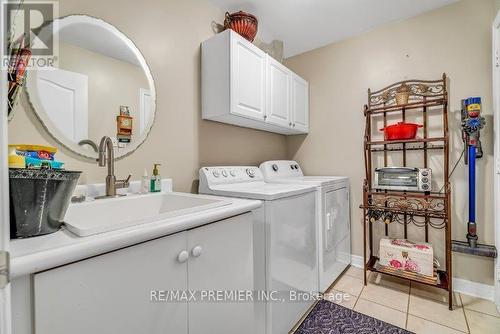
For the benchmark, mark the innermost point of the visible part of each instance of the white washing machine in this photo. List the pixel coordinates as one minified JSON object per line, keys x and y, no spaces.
{"x":284,"y":240}
{"x":332,"y":216}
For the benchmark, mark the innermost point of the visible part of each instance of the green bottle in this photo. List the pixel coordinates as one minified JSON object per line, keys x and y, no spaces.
{"x":155,"y":184}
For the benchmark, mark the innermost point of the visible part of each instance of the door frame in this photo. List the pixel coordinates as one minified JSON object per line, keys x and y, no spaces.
{"x":496,"y":118}
{"x":143,"y":92}
{"x":5,"y":309}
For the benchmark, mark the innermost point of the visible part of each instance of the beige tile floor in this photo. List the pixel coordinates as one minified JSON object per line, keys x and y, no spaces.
{"x":418,"y":308}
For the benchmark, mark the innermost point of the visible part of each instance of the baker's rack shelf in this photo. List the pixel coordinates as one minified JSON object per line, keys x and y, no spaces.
{"x":441,"y":282}
{"x":429,"y":210}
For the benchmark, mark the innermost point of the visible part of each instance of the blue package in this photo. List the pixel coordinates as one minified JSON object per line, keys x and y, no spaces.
{"x":41,"y":155}
{"x":34,"y":162}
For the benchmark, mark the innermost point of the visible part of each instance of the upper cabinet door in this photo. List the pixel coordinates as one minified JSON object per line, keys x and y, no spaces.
{"x":278,"y":93}
{"x":248,"y":79}
{"x":300,"y":104}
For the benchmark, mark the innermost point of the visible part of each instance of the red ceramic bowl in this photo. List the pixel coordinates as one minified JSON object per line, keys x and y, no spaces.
{"x":401,"y":131}
{"x":243,"y":23}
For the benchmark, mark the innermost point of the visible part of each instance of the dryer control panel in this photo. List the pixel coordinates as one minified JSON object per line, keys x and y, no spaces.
{"x":280,"y":168}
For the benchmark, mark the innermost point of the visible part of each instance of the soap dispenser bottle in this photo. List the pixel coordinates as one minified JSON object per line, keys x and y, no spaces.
{"x":155,"y":184}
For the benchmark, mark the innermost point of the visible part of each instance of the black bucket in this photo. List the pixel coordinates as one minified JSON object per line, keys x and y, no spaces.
{"x":39,"y":199}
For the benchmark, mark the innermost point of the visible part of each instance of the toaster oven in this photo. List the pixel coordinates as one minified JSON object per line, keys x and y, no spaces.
{"x":403,"y":179}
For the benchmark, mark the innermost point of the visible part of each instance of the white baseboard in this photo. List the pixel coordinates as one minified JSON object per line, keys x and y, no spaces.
{"x":466,"y":287}
{"x":357,"y":261}
{"x":475,"y":289}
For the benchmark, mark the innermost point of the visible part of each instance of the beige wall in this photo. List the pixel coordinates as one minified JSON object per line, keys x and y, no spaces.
{"x":455,"y":39}
{"x":169,"y":33}
{"x":111,"y":83}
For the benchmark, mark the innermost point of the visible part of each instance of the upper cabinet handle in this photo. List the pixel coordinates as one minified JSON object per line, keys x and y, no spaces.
{"x":196,"y":251}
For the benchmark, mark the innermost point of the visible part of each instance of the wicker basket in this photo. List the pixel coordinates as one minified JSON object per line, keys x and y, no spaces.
{"x":402,"y":94}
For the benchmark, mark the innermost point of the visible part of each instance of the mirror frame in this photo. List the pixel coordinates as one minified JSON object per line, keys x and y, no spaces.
{"x":52,"y":130}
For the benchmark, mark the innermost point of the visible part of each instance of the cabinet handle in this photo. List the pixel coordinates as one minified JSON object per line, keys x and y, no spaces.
{"x":196,"y":251}
{"x":183,"y":256}
{"x":293,"y":124}
{"x":290,"y":123}
{"x":265,"y":116}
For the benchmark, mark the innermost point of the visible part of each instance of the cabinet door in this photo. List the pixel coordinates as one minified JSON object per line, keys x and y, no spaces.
{"x":300,"y":104}
{"x":278,"y":93}
{"x":248,"y":79}
{"x":111,"y":293}
{"x":221,"y":259}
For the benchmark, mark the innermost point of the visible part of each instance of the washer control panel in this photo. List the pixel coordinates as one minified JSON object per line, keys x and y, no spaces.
{"x":280,"y":168}
{"x":230,"y":174}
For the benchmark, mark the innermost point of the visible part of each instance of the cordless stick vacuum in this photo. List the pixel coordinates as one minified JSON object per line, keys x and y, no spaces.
{"x":472,"y":123}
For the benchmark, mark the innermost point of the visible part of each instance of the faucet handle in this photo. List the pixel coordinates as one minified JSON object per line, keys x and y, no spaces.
{"x":123,"y":183}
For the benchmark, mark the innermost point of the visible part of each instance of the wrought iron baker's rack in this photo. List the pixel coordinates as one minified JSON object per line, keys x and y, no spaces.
{"x":424,"y":210}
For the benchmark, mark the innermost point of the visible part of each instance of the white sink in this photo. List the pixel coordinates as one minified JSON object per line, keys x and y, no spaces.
{"x":105,"y":215}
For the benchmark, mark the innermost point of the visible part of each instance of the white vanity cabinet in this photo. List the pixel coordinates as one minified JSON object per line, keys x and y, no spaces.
{"x":112,"y":293}
{"x":222,"y":260}
{"x":244,"y":86}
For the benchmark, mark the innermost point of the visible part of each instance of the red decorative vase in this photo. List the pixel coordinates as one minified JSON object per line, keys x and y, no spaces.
{"x":243,"y":23}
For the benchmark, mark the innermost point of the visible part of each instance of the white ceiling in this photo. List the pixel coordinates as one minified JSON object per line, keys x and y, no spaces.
{"x":304,"y":25}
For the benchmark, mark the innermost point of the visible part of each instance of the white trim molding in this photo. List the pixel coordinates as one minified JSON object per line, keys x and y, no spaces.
{"x":475,"y":289}
{"x":496,"y":110}
{"x":357,"y":261}
{"x":466,"y":287}
{"x":5,"y":308}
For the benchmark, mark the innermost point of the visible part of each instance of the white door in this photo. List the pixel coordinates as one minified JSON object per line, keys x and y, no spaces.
{"x":111,"y":293}
{"x":221,"y":259}
{"x":496,"y":106}
{"x":278,"y":93}
{"x":300,"y":104}
{"x":145,"y":110}
{"x":248,"y":79}
{"x":336,"y":252}
{"x":65,"y":97}
{"x":5,"y":319}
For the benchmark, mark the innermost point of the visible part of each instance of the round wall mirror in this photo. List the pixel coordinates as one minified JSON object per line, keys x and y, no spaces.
{"x":102,"y":87}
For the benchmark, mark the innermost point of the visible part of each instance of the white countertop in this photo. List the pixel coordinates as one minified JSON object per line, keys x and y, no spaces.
{"x":44,"y":252}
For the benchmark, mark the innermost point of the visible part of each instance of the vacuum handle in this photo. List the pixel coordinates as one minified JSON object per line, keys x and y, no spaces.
{"x":472,"y":183}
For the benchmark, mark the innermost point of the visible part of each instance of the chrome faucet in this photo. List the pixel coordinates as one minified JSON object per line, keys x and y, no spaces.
{"x":107,"y":157}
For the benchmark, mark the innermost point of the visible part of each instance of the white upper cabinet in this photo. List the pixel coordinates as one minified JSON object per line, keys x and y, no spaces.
{"x":248,"y":80}
{"x":242,"y":85}
{"x":278,"y":97}
{"x":300,"y":104}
